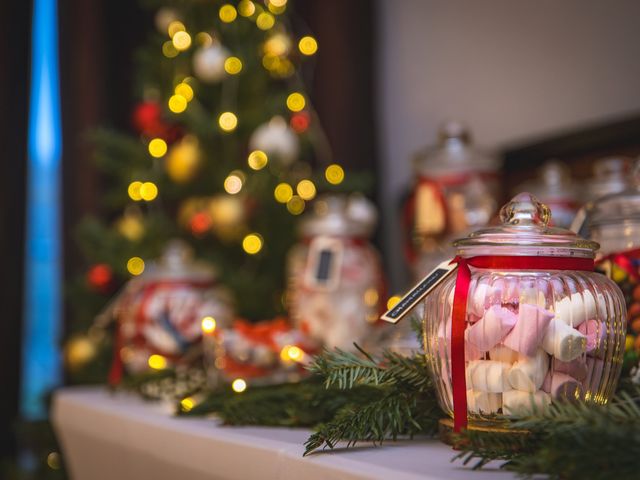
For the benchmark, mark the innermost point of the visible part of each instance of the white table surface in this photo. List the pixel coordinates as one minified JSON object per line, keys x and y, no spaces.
{"x":119,"y":436}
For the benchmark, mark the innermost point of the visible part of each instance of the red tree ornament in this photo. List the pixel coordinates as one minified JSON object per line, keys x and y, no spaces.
{"x":100,"y":277}
{"x":300,"y":122}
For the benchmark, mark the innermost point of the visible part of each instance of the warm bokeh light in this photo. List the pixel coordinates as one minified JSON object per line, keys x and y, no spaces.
{"x":233,"y":184}
{"x":168,"y":50}
{"x":392,"y":302}
{"x":135,"y":265}
{"x":283,"y":192}
{"x":233,"y":65}
{"x":306,"y":189}
{"x":157,"y":362}
{"x":177,"y":104}
{"x":308,"y":45}
{"x":208,"y":325}
{"x":277,"y":45}
{"x":252,"y":243}
{"x":157,"y":147}
{"x":187,"y":404}
{"x":134,"y":191}
{"x":204,"y":39}
{"x":246,"y":8}
{"x":228,"y":121}
{"x":257,"y":160}
{"x":148,"y":191}
{"x":265,"y":21}
{"x":184,"y":90}
{"x":182,"y":41}
{"x":227,"y":13}
{"x":296,"y":102}
{"x":175,"y":27}
{"x":300,"y":122}
{"x":295,"y":205}
{"x":334,"y":174}
{"x":291,"y":353}
{"x":238,"y":385}
{"x":53,"y":461}
{"x":371,"y":297}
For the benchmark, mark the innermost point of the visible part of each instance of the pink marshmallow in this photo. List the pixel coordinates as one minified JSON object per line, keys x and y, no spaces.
{"x":530,"y":329}
{"x":576,"y":368}
{"x":492,"y":328}
{"x":561,"y":385}
{"x":596,"y":333}
{"x":444,"y":343}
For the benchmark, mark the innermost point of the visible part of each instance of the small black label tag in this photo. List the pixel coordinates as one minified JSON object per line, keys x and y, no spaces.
{"x":419,"y":291}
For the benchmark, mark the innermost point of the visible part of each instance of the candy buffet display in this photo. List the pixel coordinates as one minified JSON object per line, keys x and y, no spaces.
{"x":556,"y":189}
{"x":158,"y":314}
{"x":263,"y":353}
{"x":614,"y":222}
{"x":524,"y":320}
{"x":456,"y":191}
{"x":336,"y":284}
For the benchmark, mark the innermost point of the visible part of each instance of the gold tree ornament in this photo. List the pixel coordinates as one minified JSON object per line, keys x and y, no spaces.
{"x":183,"y":160}
{"x":79,"y":350}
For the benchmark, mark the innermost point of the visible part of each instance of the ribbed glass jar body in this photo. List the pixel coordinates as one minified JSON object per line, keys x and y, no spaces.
{"x":532,"y":337}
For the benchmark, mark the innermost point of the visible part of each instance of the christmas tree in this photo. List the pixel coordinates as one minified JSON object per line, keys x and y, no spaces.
{"x":224,"y":153}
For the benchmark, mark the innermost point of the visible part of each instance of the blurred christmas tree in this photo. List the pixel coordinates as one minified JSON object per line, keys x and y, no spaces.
{"x":226,"y":152}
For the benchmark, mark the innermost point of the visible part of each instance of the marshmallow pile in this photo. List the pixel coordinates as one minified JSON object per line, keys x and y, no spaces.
{"x":527,"y":344}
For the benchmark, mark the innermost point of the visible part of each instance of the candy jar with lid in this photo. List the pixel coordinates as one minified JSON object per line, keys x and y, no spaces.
{"x":610,"y":175}
{"x":555,"y":188}
{"x":456,"y":190}
{"x":523,"y":321}
{"x":336,"y":283}
{"x":159,"y":314}
{"x":614,"y":222}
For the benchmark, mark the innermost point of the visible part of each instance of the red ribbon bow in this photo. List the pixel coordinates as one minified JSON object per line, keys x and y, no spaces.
{"x":459,"y":315}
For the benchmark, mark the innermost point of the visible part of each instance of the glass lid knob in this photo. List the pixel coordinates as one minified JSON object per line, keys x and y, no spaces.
{"x":524,"y":210}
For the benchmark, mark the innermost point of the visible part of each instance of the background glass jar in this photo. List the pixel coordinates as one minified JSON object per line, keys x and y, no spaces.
{"x":336,"y":285}
{"x":614,"y":222}
{"x":532,"y":335}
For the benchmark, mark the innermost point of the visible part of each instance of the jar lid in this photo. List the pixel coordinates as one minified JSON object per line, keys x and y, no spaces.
{"x":454,"y":154}
{"x":340,"y":215}
{"x":525,"y":230}
{"x":177,"y":264}
{"x":552,"y":184}
{"x":610,"y":175}
{"x":618,"y":208}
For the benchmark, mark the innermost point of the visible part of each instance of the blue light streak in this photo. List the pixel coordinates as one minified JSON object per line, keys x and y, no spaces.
{"x":41,"y":366}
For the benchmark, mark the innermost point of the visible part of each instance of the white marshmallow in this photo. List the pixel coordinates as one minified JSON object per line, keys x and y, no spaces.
{"x":526,"y":335}
{"x":528,"y":373}
{"x":577,"y":308}
{"x":488,"y":376}
{"x":515,"y":402}
{"x":563,"y":342}
{"x":483,"y":402}
{"x":503,"y":354}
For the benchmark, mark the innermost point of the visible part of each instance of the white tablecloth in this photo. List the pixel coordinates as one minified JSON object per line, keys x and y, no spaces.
{"x":106,"y":436}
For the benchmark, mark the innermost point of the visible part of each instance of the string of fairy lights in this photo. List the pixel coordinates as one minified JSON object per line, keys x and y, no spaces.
{"x":274,"y":59}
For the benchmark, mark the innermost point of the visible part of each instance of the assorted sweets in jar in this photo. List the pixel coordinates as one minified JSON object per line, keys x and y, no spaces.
{"x":523,"y":321}
{"x":555,"y":188}
{"x":159,"y":313}
{"x":335,"y":280}
{"x":262,"y":353}
{"x":456,"y":190}
{"x":614,"y":222}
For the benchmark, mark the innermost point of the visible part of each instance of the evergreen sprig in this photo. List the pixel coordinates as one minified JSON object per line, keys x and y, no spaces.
{"x":407,"y":405}
{"x":568,"y":441}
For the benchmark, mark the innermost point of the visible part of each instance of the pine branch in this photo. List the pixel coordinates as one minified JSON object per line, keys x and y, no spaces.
{"x":568,"y":441}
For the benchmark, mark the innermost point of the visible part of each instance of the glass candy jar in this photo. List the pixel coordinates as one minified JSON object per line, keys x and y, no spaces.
{"x":456,"y":190}
{"x":336,"y":284}
{"x":610,"y":175}
{"x":537,"y":324}
{"x":159,"y":314}
{"x":614,"y":222}
{"x":555,"y":188}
